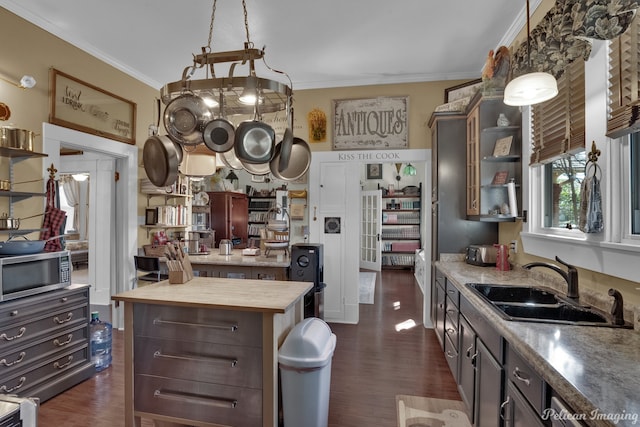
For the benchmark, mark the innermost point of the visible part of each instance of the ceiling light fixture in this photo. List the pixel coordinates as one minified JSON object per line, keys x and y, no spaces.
{"x":241,"y":93}
{"x":533,"y":87}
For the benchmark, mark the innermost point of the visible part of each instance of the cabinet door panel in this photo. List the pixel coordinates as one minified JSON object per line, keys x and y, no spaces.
{"x":489,"y":380}
{"x":467,"y":371}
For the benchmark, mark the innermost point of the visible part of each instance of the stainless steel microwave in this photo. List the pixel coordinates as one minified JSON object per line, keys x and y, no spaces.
{"x":26,"y":275}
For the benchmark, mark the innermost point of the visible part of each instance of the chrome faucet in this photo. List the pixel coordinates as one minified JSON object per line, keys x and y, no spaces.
{"x":570,"y":276}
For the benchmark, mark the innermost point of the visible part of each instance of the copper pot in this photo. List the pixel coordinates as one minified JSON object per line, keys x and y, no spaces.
{"x":21,"y":139}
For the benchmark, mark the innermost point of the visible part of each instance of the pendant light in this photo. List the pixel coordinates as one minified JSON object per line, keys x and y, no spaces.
{"x":533,"y":87}
{"x":409,"y":170}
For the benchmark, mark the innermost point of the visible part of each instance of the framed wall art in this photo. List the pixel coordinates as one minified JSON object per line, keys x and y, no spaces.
{"x":502,"y":147}
{"x":82,"y":106}
{"x":376,"y":123}
{"x":464,"y":90}
{"x":374,"y":171}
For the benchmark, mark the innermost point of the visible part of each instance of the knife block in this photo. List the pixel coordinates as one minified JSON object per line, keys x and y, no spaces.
{"x":184,"y":275}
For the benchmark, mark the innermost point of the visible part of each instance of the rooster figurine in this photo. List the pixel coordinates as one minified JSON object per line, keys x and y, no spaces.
{"x":487,"y":71}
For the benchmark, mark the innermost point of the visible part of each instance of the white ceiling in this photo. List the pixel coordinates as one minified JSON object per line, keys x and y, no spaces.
{"x":320,"y":44}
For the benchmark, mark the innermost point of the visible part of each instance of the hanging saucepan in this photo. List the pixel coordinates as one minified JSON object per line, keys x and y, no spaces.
{"x":230,"y":160}
{"x":285,"y":149}
{"x":24,"y":247}
{"x":160,"y":159}
{"x":254,"y":142}
{"x":184,"y":118}
{"x":219,"y":135}
{"x":299,"y":161}
{"x":21,"y":139}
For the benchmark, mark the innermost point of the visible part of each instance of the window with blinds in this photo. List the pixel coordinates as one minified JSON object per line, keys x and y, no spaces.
{"x":558,"y":125}
{"x":624,"y":74}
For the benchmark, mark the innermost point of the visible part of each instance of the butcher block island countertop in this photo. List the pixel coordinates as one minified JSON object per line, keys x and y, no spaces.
{"x":176,"y":335}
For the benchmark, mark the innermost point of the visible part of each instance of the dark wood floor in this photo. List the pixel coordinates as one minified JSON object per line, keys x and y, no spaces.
{"x":373,"y":362}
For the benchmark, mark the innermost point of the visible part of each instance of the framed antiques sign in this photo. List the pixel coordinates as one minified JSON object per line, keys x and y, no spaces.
{"x":376,"y":123}
{"x":87,"y":108}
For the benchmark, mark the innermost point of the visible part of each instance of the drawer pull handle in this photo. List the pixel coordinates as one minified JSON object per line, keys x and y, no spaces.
{"x":63,"y":365}
{"x":468,"y":352}
{"x":228,"y":326}
{"x":451,"y":331}
{"x":59,"y":343}
{"x":20,"y":333}
{"x":230,"y":360}
{"x":451,"y":291}
{"x":218,"y":402}
{"x":9,"y":390}
{"x":520,"y":377}
{"x":18,"y":360}
{"x":14,"y":313}
{"x":451,"y":355}
{"x":474,"y":358}
{"x":450,"y":311}
{"x":502,"y":410}
{"x":60,"y":322}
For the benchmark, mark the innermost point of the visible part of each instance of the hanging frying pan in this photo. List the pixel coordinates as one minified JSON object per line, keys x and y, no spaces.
{"x":160,"y":159}
{"x":256,"y":168}
{"x":285,"y":150}
{"x":299,"y":161}
{"x":184,"y":118}
{"x":219,"y":135}
{"x":230,"y":160}
{"x":254,"y":142}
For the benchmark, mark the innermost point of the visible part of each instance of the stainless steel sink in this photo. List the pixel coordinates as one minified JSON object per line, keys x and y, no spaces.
{"x":537,"y":304}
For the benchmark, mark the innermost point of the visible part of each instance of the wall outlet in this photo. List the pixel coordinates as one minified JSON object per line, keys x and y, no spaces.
{"x":514,"y":246}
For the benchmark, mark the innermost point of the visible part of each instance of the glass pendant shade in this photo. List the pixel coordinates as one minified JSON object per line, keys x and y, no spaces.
{"x":409,"y":170}
{"x":531,"y":88}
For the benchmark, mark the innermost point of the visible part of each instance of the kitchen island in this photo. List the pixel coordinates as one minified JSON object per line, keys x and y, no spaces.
{"x":237,"y":266}
{"x":204,"y":353}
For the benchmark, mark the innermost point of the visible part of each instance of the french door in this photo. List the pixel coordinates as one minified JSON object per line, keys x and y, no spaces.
{"x":370,"y":229}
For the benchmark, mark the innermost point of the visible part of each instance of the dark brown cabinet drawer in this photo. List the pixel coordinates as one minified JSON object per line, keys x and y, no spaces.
{"x":22,"y":380}
{"x":198,"y":361}
{"x":527,"y":380}
{"x":20,"y":357}
{"x":203,"y":325}
{"x":197,"y":401}
{"x":43,"y":324}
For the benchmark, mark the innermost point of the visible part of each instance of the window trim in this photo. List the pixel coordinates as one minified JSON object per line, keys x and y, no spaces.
{"x":607,"y":252}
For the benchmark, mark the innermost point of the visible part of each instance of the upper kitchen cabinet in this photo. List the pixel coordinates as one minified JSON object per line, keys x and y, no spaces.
{"x":494,"y":148}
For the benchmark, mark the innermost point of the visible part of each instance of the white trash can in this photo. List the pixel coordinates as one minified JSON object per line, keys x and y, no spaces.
{"x":305,"y":370}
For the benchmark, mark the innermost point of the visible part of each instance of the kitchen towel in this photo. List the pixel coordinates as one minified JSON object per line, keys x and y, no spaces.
{"x":591,"y":220}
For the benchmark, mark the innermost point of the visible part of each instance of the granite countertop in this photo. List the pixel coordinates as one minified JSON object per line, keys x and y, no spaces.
{"x":267,"y":296}
{"x":596,"y":370}
{"x":236,"y":258}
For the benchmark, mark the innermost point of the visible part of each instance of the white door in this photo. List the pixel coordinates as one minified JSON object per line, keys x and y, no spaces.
{"x":370,"y":229}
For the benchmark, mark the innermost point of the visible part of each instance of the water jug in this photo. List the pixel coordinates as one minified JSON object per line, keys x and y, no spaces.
{"x":100,"y":342}
{"x":225,"y":246}
{"x":502,"y":257}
